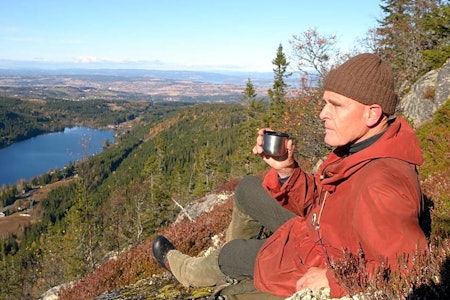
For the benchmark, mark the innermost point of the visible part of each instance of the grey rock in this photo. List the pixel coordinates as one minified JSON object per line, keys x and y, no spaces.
{"x":426,"y":95}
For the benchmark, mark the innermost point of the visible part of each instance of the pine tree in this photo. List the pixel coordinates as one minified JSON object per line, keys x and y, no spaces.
{"x":152,"y":202}
{"x":437,"y":24}
{"x":207,"y":166}
{"x":254,"y":105}
{"x":277,"y":93}
{"x":255,"y":108}
{"x":405,"y":34}
{"x":249,"y":92}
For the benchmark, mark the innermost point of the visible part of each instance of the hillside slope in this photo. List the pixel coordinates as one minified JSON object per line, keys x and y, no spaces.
{"x":195,"y":237}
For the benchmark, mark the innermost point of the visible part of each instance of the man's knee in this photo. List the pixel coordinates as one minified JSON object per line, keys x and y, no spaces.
{"x":237,"y":257}
{"x":244,"y":191}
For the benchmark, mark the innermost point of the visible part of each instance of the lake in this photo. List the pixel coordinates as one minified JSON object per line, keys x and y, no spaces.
{"x":38,"y":155}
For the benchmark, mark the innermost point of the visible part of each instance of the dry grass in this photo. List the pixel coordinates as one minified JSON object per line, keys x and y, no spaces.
{"x":13,"y":224}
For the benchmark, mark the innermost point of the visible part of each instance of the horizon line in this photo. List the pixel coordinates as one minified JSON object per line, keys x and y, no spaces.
{"x":127,"y":65}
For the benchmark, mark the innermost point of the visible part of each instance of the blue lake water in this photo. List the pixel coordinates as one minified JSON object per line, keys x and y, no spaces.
{"x":38,"y":155}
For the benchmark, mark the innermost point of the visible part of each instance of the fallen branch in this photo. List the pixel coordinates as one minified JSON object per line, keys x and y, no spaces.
{"x":182,"y":209}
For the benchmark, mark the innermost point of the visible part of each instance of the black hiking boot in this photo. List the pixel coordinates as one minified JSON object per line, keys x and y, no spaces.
{"x":160,"y":247}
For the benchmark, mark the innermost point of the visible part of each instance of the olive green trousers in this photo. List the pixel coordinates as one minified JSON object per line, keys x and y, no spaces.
{"x":236,"y":258}
{"x":205,"y":271}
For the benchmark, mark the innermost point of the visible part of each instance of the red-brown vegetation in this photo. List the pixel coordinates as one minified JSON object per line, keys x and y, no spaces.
{"x":189,"y":237}
{"x":421,"y":276}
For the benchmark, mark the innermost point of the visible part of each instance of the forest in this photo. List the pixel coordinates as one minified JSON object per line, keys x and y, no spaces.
{"x":20,"y":119}
{"x":116,"y":201}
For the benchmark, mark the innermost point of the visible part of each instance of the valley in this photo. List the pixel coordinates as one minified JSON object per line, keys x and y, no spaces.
{"x":130,"y":85}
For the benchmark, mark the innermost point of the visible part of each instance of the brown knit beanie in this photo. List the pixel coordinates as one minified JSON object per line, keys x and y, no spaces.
{"x":366,"y":79}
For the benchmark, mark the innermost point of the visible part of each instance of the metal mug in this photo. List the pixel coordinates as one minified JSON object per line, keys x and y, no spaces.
{"x":275,"y":143}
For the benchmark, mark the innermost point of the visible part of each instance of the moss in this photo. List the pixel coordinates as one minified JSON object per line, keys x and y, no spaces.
{"x":168,"y":292}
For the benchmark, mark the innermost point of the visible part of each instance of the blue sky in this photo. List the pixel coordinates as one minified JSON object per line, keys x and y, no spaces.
{"x":173,"y":34}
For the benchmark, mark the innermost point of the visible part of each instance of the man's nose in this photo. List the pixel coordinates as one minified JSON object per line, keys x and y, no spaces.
{"x":323,"y":113}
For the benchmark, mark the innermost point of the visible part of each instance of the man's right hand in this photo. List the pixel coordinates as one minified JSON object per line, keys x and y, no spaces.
{"x":284,"y":165}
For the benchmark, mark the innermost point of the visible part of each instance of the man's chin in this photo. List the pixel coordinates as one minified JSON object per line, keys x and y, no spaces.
{"x":330,"y":141}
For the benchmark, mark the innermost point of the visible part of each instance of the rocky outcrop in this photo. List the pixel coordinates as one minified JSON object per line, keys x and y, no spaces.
{"x":201,"y":206}
{"x":426,"y":95}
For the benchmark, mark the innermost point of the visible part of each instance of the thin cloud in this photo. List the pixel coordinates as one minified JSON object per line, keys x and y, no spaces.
{"x":91,"y":59}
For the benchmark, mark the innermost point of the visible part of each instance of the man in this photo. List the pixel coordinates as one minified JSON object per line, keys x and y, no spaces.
{"x":365,"y":196}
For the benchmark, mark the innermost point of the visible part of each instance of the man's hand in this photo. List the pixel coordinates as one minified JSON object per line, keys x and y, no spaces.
{"x":315,"y":278}
{"x":284,"y":165}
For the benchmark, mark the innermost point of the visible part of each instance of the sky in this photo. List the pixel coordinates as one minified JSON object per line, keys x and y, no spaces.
{"x":235,"y":35}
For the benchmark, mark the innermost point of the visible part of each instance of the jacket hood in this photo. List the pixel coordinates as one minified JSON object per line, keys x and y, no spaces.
{"x":399,"y":142}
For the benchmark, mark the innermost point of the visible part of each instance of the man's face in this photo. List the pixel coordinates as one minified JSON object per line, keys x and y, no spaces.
{"x":344,"y":119}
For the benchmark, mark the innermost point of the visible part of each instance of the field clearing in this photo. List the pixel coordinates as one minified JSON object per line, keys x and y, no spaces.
{"x":14,"y":223}
{"x":41,"y":193}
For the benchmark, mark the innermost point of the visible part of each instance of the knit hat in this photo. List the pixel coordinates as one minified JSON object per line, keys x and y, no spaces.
{"x":366,"y":79}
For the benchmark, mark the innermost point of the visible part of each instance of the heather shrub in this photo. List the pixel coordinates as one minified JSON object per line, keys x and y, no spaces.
{"x":419,"y":276}
{"x":437,"y":190}
{"x":433,"y":138}
{"x":228,"y":186}
{"x":133,"y":265}
{"x":137,"y":263}
{"x":193,"y":237}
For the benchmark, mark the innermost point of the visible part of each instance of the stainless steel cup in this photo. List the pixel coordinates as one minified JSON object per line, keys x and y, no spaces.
{"x":275,"y":143}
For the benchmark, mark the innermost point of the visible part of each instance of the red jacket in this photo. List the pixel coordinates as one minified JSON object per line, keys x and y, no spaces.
{"x":370,"y":199}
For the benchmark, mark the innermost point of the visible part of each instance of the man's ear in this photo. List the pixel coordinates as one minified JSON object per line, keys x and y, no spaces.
{"x":375,"y":114}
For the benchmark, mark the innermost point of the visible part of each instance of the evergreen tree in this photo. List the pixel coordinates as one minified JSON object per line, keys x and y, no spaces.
{"x":82,"y":232}
{"x":278,"y":91}
{"x":152,"y":200}
{"x":207,"y":169}
{"x":437,"y":24}
{"x":254,"y":105}
{"x":54,"y":259}
{"x":407,"y":32}
{"x":249,"y":93}
{"x":247,"y":132}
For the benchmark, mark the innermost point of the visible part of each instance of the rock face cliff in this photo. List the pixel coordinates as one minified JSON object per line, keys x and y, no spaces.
{"x":427,"y":95}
